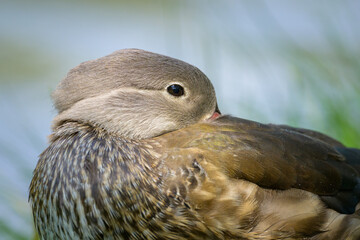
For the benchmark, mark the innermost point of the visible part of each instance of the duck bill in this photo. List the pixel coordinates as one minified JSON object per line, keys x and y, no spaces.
{"x":216,"y":113}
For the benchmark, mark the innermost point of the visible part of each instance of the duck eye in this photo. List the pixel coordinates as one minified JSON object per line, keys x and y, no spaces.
{"x":176,"y":90}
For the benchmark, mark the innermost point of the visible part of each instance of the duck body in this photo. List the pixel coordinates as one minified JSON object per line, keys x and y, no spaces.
{"x":92,"y":185}
{"x":100,"y":186}
{"x":179,"y":170}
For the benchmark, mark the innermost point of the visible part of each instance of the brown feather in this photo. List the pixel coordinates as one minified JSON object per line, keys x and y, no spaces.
{"x":128,"y":160}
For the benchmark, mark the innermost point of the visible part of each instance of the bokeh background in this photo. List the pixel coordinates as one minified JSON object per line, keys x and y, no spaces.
{"x":288,"y":62}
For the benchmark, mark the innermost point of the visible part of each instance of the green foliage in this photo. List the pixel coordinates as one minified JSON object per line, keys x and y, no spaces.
{"x":7,"y":232}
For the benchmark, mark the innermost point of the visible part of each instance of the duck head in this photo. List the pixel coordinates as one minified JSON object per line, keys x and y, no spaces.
{"x":135,"y":94}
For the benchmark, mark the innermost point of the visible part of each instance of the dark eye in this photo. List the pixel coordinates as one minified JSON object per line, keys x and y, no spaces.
{"x":176,"y":90}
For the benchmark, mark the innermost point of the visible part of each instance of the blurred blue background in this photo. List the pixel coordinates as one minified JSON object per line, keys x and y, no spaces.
{"x":288,"y":62}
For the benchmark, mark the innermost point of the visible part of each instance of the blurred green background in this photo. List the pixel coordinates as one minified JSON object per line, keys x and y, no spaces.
{"x":292,"y":62}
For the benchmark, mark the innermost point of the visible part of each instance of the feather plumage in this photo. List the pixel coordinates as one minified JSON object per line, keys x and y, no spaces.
{"x":114,"y":170}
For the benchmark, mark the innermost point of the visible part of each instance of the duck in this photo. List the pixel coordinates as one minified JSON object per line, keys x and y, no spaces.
{"x":140,"y":150}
